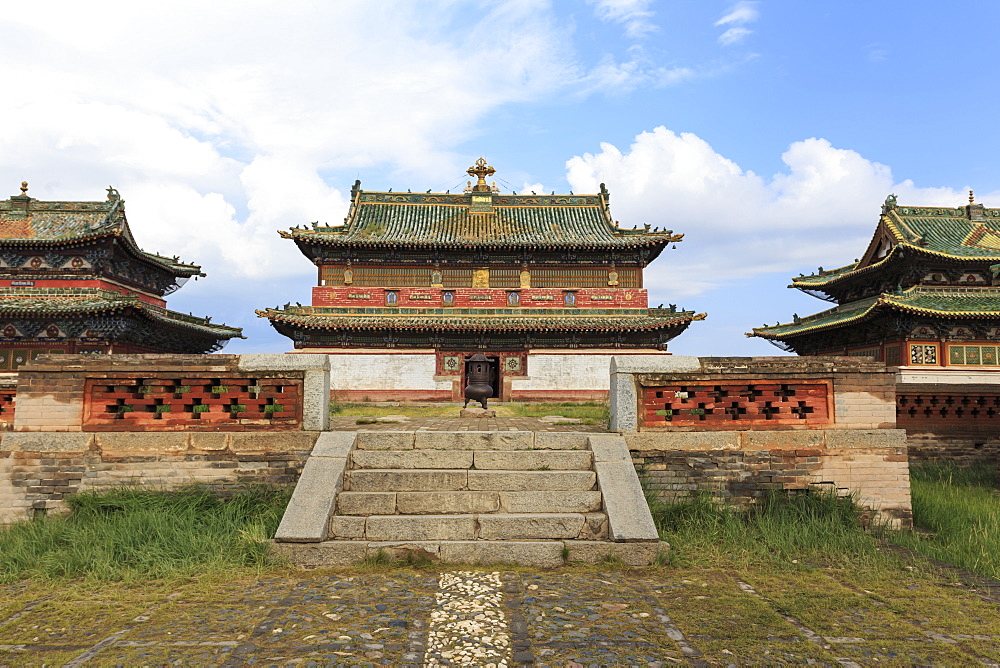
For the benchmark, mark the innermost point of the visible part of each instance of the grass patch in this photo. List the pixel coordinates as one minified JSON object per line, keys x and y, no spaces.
{"x":586,"y":410}
{"x":409,"y":410}
{"x":784,"y":530}
{"x":135,"y":535}
{"x":591,"y":412}
{"x":960,"y":507}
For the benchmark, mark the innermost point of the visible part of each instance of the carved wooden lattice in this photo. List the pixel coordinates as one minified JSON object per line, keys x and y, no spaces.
{"x":970,"y":410}
{"x":210,"y":404}
{"x":737,"y":406}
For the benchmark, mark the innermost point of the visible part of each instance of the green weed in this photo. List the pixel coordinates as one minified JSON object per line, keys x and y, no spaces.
{"x":960,"y":508}
{"x":134,"y":535}
{"x":780,"y":530}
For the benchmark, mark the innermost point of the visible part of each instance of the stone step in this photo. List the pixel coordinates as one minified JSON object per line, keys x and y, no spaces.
{"x":406,"y":480}
{"x":452,"y":480}
{"x":447,"y":503}
{"x":412,"y":459}
{"x":533,"y":460}
{"x":537,"y":553}
{"x":532,"y":481}
{"x":486,"y":527}
{"x":470,"y":440}
{"x":519,"y":460}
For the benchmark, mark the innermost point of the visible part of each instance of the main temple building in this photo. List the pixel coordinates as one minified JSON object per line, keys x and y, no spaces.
{"x":547,"y":287}
{"x":924,"y":298}
{"x":73,"y":280}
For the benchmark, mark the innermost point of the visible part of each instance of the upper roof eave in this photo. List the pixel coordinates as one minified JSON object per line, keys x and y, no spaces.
{"x":909,"y":302}
{"x":107,"y":220}
{"x":516,"y":323}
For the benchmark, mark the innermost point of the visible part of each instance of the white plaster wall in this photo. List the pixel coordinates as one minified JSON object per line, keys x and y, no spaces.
{"x":568,"y":372}
{"x":385,"y":372}
{"x":953,"y":376}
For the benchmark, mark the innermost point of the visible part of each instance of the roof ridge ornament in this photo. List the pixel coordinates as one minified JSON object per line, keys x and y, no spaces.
{"x":972,"y":198}
{"x":113,"y":194}
{"x":24,"y":188}
{"x":481,"y":170}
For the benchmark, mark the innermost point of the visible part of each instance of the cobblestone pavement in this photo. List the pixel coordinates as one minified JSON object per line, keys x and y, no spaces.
{"x":460,"y":424}
{"x":505,"y":618}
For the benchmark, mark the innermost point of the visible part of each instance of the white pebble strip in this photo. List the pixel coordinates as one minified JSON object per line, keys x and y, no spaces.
{"x":468,"y":627}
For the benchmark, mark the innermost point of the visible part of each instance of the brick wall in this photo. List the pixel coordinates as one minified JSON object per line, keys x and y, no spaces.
{"x":62,"y":441}
{"x":37,"y":471}
{"x":956,"y":448}
{"x":783,"y":423}
{"x":741,"y":466}
{"x":782,"y":393}
{"x":7,"y":407}
{"x":950,"y":414}
{"x":72,"y":393}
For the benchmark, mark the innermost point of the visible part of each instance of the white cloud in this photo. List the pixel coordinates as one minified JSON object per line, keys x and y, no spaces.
{"x":821,"y":210}
{"x":733,"y":36}
{"x":738,"y":15}
{"x":741,"y":12}
{"x":610,"y":75}
{"x":634,"y":15}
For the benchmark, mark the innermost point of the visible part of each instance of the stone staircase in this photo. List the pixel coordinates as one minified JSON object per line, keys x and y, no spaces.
{"x":544,"y":498}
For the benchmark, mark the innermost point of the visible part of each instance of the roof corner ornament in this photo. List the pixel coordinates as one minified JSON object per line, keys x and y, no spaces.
{"x":481,"y":170}
{"x":890,"y":203}
{"x":113,"y":194}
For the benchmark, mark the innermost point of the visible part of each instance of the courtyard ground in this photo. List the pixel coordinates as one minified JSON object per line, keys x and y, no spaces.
{"x":385,"y":615}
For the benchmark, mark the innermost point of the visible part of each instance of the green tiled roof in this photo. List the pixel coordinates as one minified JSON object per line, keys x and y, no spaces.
{"x":441,"y":219}
{"x":957,"y":233}
{"x":25,"y":221}
{"x":824,"y":277}
{"x":972,"y":302}
{"x":80,"y":301}
{"x":479,"y":319}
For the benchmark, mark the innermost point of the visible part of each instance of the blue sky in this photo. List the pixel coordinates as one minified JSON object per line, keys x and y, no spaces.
{"x":768,"y":132}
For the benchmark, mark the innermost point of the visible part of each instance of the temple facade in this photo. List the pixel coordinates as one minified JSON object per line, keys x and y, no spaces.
{"x":73,"y":280}
{"x":411,"y":285}
{"x":924,"y":298}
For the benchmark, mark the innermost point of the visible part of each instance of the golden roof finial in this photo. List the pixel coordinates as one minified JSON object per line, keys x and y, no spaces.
{"x":972,"y":198}
{"x":24,"y":188}
{"x":481,"y":170}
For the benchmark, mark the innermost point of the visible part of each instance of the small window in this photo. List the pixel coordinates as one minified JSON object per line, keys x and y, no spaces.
{"x":923,"y":354}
